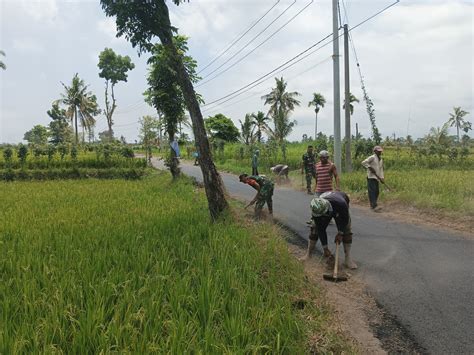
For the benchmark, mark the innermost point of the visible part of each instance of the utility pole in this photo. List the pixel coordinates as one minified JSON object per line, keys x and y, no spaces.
{"x":336,"y":84}
{"x":347,"y":100}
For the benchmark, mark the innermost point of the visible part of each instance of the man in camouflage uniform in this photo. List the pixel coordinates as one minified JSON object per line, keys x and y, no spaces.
{"x":308,"y":164}
{"x":264,"y":188}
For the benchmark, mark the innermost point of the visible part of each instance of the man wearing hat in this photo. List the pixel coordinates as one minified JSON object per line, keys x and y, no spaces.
{"x":334,"y":204}
{"x":374,"y":166}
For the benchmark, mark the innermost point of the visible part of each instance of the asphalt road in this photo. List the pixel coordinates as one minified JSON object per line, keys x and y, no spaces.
{"x":424,"y":277}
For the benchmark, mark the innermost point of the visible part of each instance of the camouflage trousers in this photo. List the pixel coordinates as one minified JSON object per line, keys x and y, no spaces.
{"x":265,"y":196}
{"x":310,"y":175}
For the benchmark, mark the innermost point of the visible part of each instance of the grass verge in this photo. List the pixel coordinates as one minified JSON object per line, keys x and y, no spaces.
{"x":90,"y":266}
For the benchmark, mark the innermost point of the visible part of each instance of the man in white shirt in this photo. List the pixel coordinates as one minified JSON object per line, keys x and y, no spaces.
{"x":374,"y":165}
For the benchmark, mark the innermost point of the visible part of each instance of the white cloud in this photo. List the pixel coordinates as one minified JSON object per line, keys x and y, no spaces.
{"x":27,"y":45}
{"x":41,"y":10}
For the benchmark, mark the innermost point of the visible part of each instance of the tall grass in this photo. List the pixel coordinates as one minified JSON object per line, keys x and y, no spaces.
{"x":134,"y":266}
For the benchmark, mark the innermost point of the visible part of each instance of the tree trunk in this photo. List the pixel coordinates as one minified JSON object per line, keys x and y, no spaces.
{"x":75,"y":124}
{"x":316,"y":125}
{"x":212,"y":180}
{"x":173,"y":163}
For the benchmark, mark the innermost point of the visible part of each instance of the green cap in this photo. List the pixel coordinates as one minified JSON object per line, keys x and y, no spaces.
{"x":319,"y":206}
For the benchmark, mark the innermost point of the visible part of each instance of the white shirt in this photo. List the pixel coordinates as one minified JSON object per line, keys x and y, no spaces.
{"x":377,"y":164}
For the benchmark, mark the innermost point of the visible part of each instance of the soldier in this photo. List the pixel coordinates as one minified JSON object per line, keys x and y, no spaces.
{"x":255,"y":162}
{"x":264,"y":194}
{"x":308,"y":164}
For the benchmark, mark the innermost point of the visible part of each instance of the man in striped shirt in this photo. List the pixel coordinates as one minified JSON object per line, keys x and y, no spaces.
{"x":325,"y":171}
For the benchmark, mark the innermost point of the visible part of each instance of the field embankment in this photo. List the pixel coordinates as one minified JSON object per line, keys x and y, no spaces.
{"x":91,"y":266}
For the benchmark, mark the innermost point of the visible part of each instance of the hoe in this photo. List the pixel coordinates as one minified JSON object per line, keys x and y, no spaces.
{"x":334,"y":276}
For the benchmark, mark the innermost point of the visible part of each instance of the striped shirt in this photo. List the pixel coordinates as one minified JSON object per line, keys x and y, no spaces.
{"x":323,"y":177}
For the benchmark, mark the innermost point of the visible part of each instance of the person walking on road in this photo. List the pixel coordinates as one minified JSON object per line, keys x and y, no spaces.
{"x":330,"y":205}
{"x":255,"y":156}
{"x":374,"y":166}
{"x":280,"y":171}
{"x":264,"y":194}
{"x":325,"y":171}
{"x":308,"y":165}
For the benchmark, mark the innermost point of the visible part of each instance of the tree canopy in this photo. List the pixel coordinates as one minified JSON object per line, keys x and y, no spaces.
{"x":222,"y":127}
{"x":38,"y":135}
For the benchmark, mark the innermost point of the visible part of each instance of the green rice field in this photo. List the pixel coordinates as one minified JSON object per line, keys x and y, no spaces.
{"x":121,"y":266}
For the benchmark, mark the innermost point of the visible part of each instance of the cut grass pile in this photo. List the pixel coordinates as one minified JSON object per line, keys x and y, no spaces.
{"x":91,"y":266}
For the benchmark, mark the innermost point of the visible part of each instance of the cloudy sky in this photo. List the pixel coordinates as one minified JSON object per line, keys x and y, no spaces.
{"x":416,"y":58}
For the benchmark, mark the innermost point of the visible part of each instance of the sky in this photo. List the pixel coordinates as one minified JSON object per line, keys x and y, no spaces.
{"x":416,"y":59}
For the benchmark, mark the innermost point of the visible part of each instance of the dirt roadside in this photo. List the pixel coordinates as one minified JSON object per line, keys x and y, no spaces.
{"x":356,"y":312}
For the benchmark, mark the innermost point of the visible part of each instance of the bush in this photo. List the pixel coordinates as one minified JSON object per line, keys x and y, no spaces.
{"x":22,"y":154}
{"x":72,"y":173}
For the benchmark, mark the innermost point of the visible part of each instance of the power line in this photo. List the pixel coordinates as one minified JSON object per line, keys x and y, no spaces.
{"x":218,"y":107}
{"x":253,"y":39}
{"x":249,"y":86}
{"x":238,"y":39}
{"x":258,"y":46}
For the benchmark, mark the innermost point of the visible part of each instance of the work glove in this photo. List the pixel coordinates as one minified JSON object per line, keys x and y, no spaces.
{"x":338,"y":238}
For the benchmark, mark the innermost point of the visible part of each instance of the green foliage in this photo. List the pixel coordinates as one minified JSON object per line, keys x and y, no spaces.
{"x":74,"y":153}
{"x":148,"y":274}
{"x":247,"y":128}
{"x":261,"y":125}
{"x":22,"y":153}
{"x":63,"y":150}
{"x":222,"y":127}
{"x":80,"y":103}
{"x":352,"y":99}
{"x":7,"y":155}
{"x":38,"y":135}
{"x":318,"y":102}
{"x":457,"y":120}
{"x":140,"y":21}
{"x":59,"y":129}
{"x":282,"y":103}
{"x":72,"y":173}
{"x":114,"y":67}
{"x":51,"y":150}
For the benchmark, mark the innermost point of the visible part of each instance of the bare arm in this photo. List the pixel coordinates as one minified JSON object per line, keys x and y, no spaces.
{"x":336,"y":177}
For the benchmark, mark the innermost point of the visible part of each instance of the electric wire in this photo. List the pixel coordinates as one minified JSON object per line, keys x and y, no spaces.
{"x":239,"y":38}
{"x":250,"y":42}
{"x":249,"y":86}
{"x":258,"y":46}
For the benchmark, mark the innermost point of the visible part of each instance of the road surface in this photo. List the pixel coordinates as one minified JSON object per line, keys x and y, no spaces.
{"x":424,"y":277}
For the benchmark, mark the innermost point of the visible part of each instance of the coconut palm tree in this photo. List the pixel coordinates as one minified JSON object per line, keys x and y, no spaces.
{"x":457,"y":119}
{"x":352,"y":99}
{"x":260,"y":122}
{"x":80,"y":103}
{"x":281,"y":104}
{"x":280,"y":99}
{"x":247,"y":127}
{"x":2,"y":65}
{"x":318,"y":102}
{"x":283,"y":126}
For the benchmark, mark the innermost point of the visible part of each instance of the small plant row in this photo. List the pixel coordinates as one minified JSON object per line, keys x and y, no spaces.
{"x":72,"y":173}
{"x":64,"y":156}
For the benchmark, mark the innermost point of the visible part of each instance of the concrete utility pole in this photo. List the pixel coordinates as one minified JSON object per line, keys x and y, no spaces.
{"x":347,"y":99}
{"x":336,"y":83}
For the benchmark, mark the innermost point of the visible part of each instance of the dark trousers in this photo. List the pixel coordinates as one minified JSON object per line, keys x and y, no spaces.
{"x":254,"y":171}
{"x":373,"y":189}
